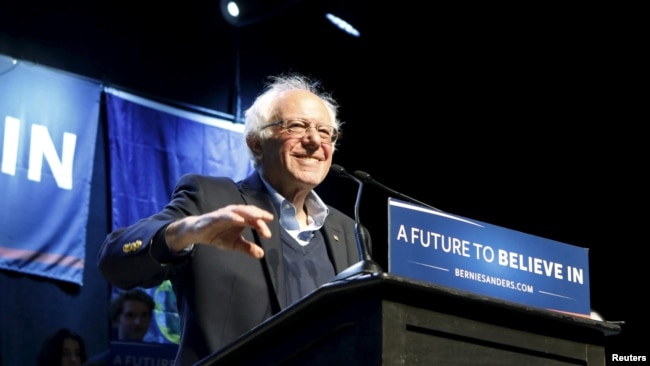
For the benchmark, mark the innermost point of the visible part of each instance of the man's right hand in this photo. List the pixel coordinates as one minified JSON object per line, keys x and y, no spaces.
{"x":221,"y":228}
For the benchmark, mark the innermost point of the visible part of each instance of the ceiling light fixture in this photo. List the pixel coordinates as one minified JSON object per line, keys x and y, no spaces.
{"x":241,"y":13}
{"x":343,"y":25}
{"x":232,"y":9}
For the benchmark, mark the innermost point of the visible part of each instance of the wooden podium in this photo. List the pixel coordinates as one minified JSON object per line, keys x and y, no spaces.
{"x":383,"y":319}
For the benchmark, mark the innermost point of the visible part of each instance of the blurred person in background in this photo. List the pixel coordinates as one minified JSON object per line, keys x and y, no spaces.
{"x":131,"y":312}
{"x":63,"y":348}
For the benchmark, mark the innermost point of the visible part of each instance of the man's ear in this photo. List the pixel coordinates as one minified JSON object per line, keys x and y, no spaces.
{"x":254,"y":144}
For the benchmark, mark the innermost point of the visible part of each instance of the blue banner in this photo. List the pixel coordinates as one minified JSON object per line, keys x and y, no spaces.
{"x":477,"y":257}
{"x":48,"y":130}
{"x":151,"y":146}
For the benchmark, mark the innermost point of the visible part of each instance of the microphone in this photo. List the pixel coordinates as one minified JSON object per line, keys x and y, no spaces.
{"x":365,"y":265}
{"x":365,"y":177}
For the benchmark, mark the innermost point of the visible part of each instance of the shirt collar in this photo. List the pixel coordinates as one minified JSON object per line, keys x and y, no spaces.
{"x":317,"y":210}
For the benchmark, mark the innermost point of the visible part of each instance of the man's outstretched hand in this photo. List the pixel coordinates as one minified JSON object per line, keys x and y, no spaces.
{"x":221,"y":228}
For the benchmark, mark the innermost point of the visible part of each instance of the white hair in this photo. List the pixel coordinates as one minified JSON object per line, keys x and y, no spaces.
{"x":264,"y":108}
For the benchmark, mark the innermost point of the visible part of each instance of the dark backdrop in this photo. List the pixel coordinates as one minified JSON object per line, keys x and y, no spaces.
{"x":525,"y":117}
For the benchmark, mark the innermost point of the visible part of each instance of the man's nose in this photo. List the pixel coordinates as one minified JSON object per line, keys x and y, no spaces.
{"x":312,"y":134}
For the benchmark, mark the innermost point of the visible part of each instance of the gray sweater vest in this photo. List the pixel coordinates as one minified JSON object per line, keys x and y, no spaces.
{"x":307,"y":267}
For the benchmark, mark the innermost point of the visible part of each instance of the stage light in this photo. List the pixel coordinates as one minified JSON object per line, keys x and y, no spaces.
{"x":246,"y":12}
{"x":232,"y":9}
{"x":343,"y":25}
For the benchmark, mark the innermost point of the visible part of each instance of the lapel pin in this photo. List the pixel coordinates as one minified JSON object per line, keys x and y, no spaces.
{"x":335,"y":237}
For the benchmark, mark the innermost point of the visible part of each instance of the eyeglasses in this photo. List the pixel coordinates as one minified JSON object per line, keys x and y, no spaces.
{"x":299,"y":128}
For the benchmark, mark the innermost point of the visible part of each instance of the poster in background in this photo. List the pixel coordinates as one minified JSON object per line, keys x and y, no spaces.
{"x":48,"y":131}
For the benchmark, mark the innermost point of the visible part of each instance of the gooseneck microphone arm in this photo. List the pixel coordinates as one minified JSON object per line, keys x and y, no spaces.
{"x":358,"y":230}
{"x":365,"y":177}
{"x":365,"y":265}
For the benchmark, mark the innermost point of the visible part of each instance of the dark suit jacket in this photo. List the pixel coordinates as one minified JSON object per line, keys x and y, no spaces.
{"x":221,"y":294}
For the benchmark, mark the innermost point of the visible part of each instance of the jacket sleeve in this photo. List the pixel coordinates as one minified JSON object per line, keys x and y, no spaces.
{"x":137,"y":255}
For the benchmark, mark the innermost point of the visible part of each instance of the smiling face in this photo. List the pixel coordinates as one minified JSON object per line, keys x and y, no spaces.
{"x":292,"y":164}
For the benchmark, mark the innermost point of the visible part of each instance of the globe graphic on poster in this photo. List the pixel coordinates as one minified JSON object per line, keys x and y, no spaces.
{"x":166,"y":312}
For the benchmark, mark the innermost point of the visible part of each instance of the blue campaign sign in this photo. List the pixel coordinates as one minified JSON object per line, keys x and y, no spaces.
{"x":485,"y":259}
{"x":141,"y":353}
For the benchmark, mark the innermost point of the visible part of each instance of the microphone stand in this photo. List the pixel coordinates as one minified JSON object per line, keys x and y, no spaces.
{"x":366,"y":265}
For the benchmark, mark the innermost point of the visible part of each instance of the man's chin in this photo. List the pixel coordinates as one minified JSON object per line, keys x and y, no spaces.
{"x":313,"y":181}
{"x":310,"y":177}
